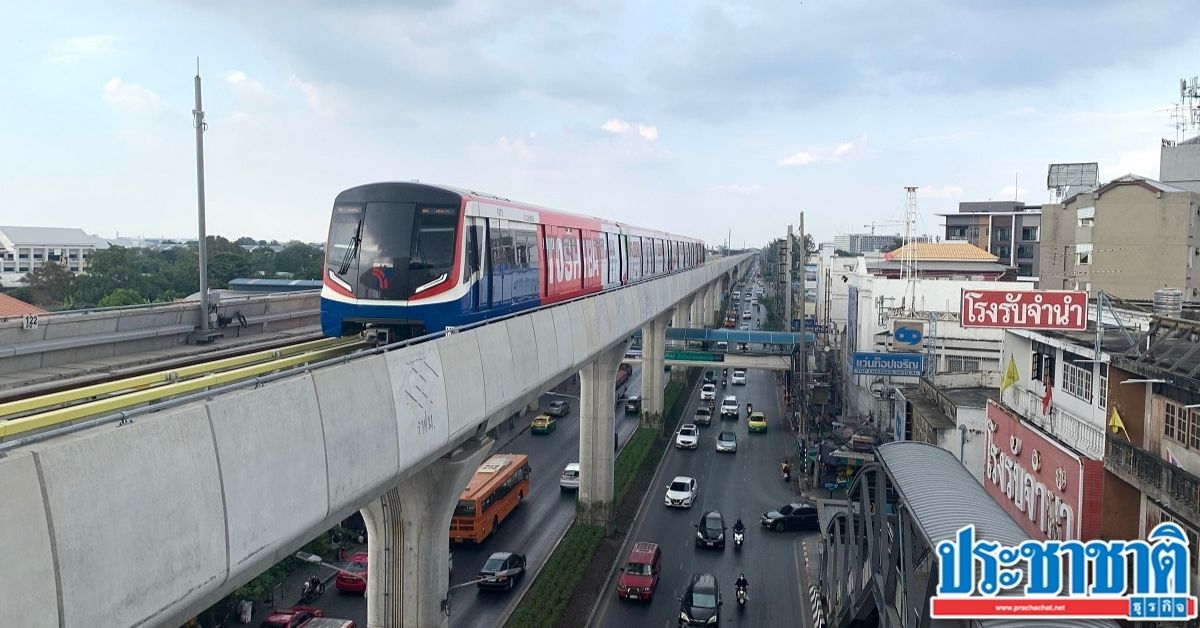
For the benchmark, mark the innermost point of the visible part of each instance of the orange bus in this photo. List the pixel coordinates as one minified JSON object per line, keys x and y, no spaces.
{"x":499,"y":484}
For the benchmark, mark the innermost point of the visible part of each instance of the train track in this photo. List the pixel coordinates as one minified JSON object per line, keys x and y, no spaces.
{"x":23,"y":416}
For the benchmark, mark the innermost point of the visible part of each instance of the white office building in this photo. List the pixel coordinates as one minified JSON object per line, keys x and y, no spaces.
{"x":23,"y":249}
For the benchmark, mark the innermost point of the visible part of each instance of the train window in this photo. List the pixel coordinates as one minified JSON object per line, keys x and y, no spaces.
{"x":531,"y":249}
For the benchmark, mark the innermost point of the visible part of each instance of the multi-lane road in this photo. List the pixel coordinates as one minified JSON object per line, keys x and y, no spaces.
{"x":533,"y":528}
{"x":745,"y":485}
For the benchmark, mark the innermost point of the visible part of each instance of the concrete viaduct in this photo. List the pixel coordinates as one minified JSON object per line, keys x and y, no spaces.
{"x":152,"y":521}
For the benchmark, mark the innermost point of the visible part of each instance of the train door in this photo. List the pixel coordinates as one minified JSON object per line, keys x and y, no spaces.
{"x":475,"y":268}
{"x":502,"y":256}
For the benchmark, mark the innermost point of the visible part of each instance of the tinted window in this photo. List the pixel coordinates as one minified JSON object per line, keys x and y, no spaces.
{"x":703,"y":599}
{"x":465,"y":508}
{"x":680,"y":486}
{"x":494,"y":564}
{"x":638,"y":569}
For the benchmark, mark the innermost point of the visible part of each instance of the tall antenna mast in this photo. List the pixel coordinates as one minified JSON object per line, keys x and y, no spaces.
{"x":198,"y":122}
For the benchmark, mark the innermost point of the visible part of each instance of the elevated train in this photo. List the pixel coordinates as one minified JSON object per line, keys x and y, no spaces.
{"x":409,"y":259}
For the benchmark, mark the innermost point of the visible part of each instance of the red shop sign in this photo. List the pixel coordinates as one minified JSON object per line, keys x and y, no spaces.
{"x":1024,"y":309}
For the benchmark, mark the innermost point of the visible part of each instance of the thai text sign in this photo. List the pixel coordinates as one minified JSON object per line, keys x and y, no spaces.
{"x":1024,"y":309}
{"x":1134,"y":579}
{"x":1050,"y":491}
{"x":901,"y":364}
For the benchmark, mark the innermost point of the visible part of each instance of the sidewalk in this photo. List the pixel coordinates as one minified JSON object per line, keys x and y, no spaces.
{"x":287,"y":593}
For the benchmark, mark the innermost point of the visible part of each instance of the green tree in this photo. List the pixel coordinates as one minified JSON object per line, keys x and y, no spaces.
{"x":223,"y":267}
{"x":245,"y":240}
{"x":49,"y":284}
{"x":303,"y":261}
{"x":122,"y":296}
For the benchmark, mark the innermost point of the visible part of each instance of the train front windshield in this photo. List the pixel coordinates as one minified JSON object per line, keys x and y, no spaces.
{"x":392,"y":251}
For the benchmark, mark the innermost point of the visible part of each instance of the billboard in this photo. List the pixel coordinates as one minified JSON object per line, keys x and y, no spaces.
{"x":898,"y":364}
{"x":908,"y":335}
{"x":1052,"y":492}
{"x":1024,"y":309}
{"x":899,"y":414}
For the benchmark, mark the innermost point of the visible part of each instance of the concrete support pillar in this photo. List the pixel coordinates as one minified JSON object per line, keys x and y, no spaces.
{"x":654,"y":339}
{"x":597,"y":437}
{"x":683,"y":313}
{"x":408,"y":532}
{"x":713,"y":305}
{"x":533,"y":406}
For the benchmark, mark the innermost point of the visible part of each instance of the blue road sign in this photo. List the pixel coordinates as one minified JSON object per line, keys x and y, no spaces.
{"x":900,"y":364}
{"x":796,"y":324}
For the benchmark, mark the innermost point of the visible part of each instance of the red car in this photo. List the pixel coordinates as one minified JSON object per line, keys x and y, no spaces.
{"x":353,"y":579}
{"x":291,"y":617}
{"x":639,"y":577}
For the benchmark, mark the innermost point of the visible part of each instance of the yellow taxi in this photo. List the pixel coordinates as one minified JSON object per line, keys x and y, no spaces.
{"x":757,"y":422}
{"x":543,"y":424}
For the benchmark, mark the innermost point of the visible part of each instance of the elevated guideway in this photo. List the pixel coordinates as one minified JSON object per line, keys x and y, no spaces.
{"x":87,"y":345}
{"x":225,"y":485}
{"x":878,"y":564}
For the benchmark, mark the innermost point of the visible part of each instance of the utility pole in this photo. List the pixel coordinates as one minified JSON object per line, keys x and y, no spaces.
{"x":803,"y":396}
{"x":204,"y":335}
{"x":787,"y":278}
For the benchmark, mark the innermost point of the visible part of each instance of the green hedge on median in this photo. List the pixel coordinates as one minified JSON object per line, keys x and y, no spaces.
{"x":547,"y":598}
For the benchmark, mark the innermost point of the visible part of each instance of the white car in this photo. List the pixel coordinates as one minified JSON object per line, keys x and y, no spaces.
{"x":688,"y":437}
{"x":729,"y":406}
{"x":681,"y":492}
{"x":739,"y":377}
{"x":745,"y":328}
{"x":708,"y":391}
{"x":746,"y":316}
{"x":569,"y":480}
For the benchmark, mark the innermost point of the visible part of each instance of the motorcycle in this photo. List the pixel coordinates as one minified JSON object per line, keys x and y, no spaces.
{"x":787,"y":474}
{"x":312,"y":589}
{"x":724,"y":382}
{"x":739,"y":537}
{"x":741,"y":597}
{"x":749,"y":409}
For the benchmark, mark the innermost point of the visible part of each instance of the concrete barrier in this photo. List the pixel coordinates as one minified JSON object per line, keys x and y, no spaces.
{"x":150,"y":522}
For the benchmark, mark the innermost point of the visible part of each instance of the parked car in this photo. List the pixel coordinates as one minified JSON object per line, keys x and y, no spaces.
{"x":701,"y":603}
{"x":710,"y":532}
{"x":727,"y":443}
{"x":543,"y":424}
{"x":633,"y":405}
{"x":688,"y":437}
{"x":795,"y":516}
{"x":328,"y":622}
{"x":569,"y":480}
{"x":558,"y":409}
{"x":353,"y":577}
{"x":703,"y":416}
{"x":502,"y":570}
{"x":729,"y":407}
{"x":708,"y":392}
{"x":681,"y":492}
{"x":739,"y":377}
{"x":639,"y":576}
{"x":291,"y":617}
{"x":757,"y":422}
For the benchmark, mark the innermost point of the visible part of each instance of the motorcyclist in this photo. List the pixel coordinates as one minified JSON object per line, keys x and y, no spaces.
{"x":739,"y":526}
{"x":742,"y":583}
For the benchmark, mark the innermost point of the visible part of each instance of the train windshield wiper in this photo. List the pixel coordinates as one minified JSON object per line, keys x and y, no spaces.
{"x":353,"y":250}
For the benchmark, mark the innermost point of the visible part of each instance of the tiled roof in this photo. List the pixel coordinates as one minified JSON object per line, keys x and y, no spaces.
{"x":12,"y":306}
{"x":954,"y":251}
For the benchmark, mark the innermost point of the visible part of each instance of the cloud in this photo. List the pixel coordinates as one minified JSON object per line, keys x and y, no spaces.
{"x":320,"y":99}
{"x":77,"y":48}
{"x":798,"y":159}
{"x":843,"y":148}
{"x":734,"y":188}
{"x":241,"y":83}
{"x":1142,"y":161}
{"x":940,"y":191}
{"x":949,"y":137}
{"x":1009,"y":191}
{"x":129,"y":96}
{"x":616,"y":126}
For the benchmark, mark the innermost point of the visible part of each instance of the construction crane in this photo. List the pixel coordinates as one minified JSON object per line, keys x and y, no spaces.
{"x":890,"y":223}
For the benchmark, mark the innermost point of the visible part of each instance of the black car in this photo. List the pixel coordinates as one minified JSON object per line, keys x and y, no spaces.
{"x":502,"y":570}
{"x":701,"y":602}
{"x":710,"y":532}
{"x":558,"y":409}
{"x":633,"y":405}
{"x":797,"y":516}
{"x":710,"y":376}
